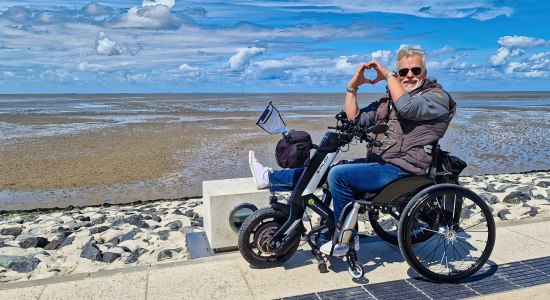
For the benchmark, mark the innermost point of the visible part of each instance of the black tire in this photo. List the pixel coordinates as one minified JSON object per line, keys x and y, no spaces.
{"x":452,"y":210}
{"x":253,"y":233}
{"x":386,"y":227}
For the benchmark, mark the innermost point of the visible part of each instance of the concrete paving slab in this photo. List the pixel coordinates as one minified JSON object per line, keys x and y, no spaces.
{"x":539,"y":231}
{"x":300,"y":274}
{"x":512,"y":246}
{"x":123,"y":285}
{"x":26,"y":293}
{"x":219,"y":279}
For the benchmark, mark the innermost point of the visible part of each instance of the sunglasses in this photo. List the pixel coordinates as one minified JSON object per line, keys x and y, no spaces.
{"x":403,"y":72}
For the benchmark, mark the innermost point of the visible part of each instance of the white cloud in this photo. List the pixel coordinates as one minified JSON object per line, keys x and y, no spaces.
{"x":513,"y":46}
{"x":383,"y":56}
{"x":58,"y":75}
{"x":168,"y":3}
{"x":479,"y":9}
{"x":8,"y":74}
{"x":88,"y":67}
{"x":344,"y":66}
{"x":188,"y":68}
{"x":516,"y":41}
{"x":243,"y":57}
{"x":107,"y":46}
{"x":446,"y":49}
{"x":152,"y":15}
{"x":94,"y":9}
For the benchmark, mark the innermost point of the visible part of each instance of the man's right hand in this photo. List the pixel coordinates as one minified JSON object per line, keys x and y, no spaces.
{"x":359,"y":77}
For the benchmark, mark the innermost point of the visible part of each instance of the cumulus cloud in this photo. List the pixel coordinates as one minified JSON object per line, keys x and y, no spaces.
{"x":516,"y":41}
{"x":94,"y":9}
{"x":107,"y":46}
{"x":344,"y":66}
{"x":382,"y":56}
{"x":152,"y":15}
{"x":90,"y":67}
{"x":243,"y":57}
{"x":512,"y":46}
{"x":188,"y":68}
{"x":8,"y":74}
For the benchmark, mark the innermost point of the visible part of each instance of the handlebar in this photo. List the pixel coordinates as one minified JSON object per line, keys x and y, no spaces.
{"x":354,"y":130}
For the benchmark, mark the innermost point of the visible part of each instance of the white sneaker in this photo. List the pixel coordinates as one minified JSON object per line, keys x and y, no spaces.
{"x":339,"y":249}
{"x":259,"y":172}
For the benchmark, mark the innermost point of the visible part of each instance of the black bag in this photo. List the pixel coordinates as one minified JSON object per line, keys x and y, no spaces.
{"x":292,"y":150}
{"x":447,"y":167}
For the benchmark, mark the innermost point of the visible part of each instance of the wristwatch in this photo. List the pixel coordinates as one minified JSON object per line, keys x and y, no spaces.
{"x":392,"y":73}
{"x":353,"y":91}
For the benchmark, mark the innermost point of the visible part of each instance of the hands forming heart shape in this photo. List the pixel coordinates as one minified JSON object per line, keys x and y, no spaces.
{"x":359,"y":77}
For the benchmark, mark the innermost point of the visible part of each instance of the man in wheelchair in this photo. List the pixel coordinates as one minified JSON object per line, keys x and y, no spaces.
{"x":416,"y":109}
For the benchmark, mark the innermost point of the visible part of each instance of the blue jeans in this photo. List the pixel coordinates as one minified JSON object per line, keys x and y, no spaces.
{"x":345,"y":181}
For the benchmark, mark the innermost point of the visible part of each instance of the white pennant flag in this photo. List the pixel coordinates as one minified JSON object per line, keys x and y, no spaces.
{"x":271,"y":121}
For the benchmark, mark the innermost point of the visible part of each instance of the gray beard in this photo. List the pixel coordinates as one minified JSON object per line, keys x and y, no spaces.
{"x":414,"y":87}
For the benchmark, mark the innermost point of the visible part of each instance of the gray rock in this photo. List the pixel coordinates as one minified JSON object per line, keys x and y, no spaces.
{"x":543,"y":184}
{"x":136,"y":220}
{"x":163,"y":235}
{"x":69,"y":240}
{"x":133,"y":257}
{"x":502,"y":214}
{"x":55,"y":244}
{"x":156,"y":218}
{"x":174,"y":225}
{"x":198,"y":222}
{"x":21,"y":264}
{"x":14,"y":231}
{"x":98,"y":221}
{"x":25,"y":264}
{"x":83,"y":218}
{"x":489,"y":198}
{"x":164,"y":254}
{"x":128,"y":236}
{"x":109,"y":257}
{"x":188,"y":213}
{"x":517,"y":197}
{"x":98,"y":229}
{"x":178,"y":212}
{"x":34,"y":242}
{"x":91,"y":251}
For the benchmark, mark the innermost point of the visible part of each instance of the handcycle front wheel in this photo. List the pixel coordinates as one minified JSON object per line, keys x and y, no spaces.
{"x":463,"y":233}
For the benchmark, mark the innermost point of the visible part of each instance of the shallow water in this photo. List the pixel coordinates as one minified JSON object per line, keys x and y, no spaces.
{"x":493,"y":132}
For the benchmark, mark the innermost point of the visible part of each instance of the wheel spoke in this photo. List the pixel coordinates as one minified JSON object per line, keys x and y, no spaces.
{"x":460,"y":251}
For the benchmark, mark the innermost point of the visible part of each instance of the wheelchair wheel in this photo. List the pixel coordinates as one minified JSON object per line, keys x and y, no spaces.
{"x":463,"y":233}
{"x":385,"y":222}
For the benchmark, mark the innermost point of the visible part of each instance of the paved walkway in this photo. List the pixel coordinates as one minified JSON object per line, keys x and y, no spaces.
{"x":228,"y":276}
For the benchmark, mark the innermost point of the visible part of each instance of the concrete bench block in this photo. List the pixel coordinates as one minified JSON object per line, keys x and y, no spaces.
{"x":220,"y":197}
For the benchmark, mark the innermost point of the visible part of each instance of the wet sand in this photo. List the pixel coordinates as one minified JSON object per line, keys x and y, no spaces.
{"x":166,"y":158}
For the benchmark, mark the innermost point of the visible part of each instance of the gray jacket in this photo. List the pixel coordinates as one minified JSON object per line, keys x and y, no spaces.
{"x":417,"y":121}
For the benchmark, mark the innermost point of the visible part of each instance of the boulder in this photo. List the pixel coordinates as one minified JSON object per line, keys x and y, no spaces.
{"x":489,"y":198}
{"x":109,"y":257}
{"x":164,"y":254}
{"x":21,"y":264}
{"x":91,"y":251}
{"x":518,"y":197}
{"x":34,"y":242}
{"x":14,"y":231}
{"x":98,"y":229}
{"x":503,"y":214}
{"x":174,"y":225}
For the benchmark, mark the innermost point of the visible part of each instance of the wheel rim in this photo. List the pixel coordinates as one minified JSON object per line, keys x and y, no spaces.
{"x":258,"y":241}
{"x":462,"y":234}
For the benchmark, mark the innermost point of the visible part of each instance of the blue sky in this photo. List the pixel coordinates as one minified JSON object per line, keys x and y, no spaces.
{"x":266,"y":46}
